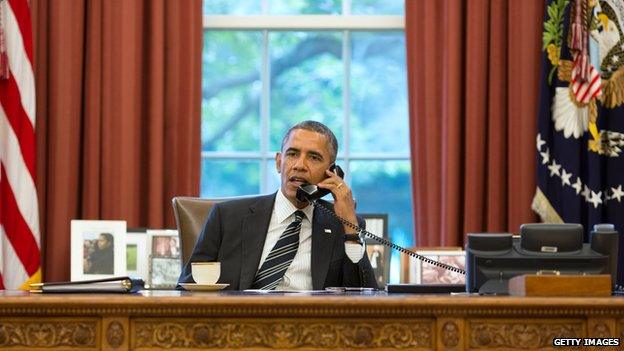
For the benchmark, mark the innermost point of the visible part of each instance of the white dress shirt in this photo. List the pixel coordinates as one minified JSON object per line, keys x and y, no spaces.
{"x":298,"y":276}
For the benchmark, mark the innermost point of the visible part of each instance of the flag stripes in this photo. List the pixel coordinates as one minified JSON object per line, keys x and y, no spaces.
{"x":17,"y":175}
{"x":19,"y":216}
{"x":20,"y":62}
{"x":20,"y":14}
{"x":586,"y":90}
{"x":17,"y":231}
{"x":13,"y":111}
{"x":12,"y":268}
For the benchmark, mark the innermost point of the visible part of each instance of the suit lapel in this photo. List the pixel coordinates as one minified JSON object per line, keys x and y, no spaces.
{"x":322,"y":247}
{"x":254,"y":229}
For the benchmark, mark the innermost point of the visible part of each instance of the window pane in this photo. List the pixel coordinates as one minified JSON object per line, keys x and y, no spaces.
{"x":229,"y":7}
{"x":307,"y":7}
{"x":385,"y":187}
{"x":222,"y":178}
{"x":379,"y":118}
{"x":273,"y":178}
{"x":306,"y":81}
{"x":231,"y":91}
{"x":376,"y":7}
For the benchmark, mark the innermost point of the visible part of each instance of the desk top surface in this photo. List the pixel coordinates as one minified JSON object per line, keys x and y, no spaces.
{"x":172,"y":298}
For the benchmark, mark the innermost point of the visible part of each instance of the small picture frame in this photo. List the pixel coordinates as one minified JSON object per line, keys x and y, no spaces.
{"x":164,"y":243}
{"x":137,"y":254}
{"x":379,"y":257}
{"x":376,"y":224}
{"x":164,"y":258}
{"x":164,"y":272}
{"x":425,"y":273}
{"x":98,"y":249}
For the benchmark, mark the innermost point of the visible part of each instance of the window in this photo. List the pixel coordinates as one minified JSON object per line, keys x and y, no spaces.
{"x":269,"y":64}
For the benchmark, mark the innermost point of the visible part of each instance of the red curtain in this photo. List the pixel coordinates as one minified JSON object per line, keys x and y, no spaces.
{"x":118,"y":113}
{"x":473,"y":69}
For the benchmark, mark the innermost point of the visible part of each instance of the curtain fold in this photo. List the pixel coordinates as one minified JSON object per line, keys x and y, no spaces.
{"x":118,"y":97}
{"x":473,"y":75}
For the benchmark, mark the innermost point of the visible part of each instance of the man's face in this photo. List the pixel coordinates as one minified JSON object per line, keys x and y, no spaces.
{"x":304,"y":158}
{"x":102,"y":242}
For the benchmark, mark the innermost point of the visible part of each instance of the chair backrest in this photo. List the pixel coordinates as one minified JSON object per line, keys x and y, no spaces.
{"x":190,"y":215}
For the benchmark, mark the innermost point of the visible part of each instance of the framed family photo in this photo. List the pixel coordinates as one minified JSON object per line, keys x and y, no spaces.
{"x":379,"y":256}
{"x":164,"y":272}
{"x":164,"y":258}
{"x":419,"y":272}
{"x":376,"y":224}
{"x":98,"y":249}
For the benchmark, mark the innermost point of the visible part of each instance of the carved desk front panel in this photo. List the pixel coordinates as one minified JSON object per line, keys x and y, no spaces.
{"x":171,"y":320}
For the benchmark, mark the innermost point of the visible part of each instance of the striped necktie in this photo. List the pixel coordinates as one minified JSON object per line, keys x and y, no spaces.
{"x":281,"y":256}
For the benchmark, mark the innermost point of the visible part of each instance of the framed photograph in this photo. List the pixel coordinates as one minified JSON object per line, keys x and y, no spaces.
{"x":137,"y":254}
{"x":164,"y":272}
{"x":164,"y":258}
{"x":376,"y":224}
{"x":379,"y":256}
{"x":164,"y":243}
{"x":98,"y":249}
{"x":420,"y":272}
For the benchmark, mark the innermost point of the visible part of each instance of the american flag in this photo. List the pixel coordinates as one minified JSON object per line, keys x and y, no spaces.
{"x":19,"y":216}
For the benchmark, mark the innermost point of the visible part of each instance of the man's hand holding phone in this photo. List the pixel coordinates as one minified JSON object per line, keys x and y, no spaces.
{"x":344,"y":205}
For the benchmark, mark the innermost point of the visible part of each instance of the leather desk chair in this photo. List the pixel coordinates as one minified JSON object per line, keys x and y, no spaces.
{"x":190,"y":215}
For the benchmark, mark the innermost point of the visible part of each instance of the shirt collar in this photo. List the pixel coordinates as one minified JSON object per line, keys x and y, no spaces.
{"x":284,"y":208}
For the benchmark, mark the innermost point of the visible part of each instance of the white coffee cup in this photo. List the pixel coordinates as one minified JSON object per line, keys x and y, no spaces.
{"x":206,"y":273}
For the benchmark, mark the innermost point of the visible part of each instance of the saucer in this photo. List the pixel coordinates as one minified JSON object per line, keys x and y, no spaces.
{"x":203,"y":287}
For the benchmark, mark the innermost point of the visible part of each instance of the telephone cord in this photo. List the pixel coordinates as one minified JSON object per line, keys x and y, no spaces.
{"x":386,"y":242}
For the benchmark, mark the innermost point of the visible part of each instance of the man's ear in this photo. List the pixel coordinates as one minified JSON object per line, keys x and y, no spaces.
{"x":278,"y":161}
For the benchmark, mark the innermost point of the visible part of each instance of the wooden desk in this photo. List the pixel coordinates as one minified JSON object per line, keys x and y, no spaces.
{"x":180,"y":321}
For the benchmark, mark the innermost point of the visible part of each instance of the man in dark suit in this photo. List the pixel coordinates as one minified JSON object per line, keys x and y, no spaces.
{"x":278,"y":242}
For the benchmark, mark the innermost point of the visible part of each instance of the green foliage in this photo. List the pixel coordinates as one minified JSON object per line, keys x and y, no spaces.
{"x":376,"y":7}
{"x":553,"y":27}
{"x":305,"y":7}
{"x":131,"y":257}
{"x":229,"y":7}
{"x":231,"y":112}
{"x":311,"y":89}
{"x":223,"y":178}
{"x":378,"y":93}
{"x":385,"y":187}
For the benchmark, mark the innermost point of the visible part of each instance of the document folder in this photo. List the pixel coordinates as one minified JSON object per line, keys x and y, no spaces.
{"x":108,"y":285}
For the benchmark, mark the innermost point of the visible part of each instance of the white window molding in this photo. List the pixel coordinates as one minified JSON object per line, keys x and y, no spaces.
{"x":305,"y":22}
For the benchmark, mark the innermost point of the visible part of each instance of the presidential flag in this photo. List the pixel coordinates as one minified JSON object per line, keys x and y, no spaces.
{"x":580,"y":137}
{"x":19,"y":218}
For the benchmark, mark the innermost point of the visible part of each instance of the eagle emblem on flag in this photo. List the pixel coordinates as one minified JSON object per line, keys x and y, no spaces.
{"x":580,"y":137}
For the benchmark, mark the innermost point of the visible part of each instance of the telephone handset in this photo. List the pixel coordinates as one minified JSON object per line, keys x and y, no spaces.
{"x":308,"y":192}
{"x":312,"y":193}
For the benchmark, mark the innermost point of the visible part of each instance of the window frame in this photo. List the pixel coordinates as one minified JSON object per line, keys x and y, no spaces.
{"x":266,"y":23}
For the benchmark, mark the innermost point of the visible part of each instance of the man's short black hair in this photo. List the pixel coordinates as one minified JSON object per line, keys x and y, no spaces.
{"x":108,"y":237}
{"x":317,"y":127}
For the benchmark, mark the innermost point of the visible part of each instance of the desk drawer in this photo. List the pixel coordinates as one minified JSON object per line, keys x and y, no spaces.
{"x":282,"y":333}
{"x":51,"y":333}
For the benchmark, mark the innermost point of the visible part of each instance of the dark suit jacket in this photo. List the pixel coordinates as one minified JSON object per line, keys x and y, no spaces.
{"x":234,"y":235}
